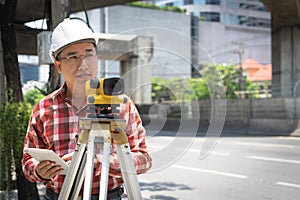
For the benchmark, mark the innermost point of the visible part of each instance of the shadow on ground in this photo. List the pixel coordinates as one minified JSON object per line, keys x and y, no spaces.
{"x":162,"y":186}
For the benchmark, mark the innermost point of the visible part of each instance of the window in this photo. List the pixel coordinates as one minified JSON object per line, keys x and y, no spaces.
{"x":210,"y":16}
{"x":252,"y":7}
{"x":213,"y":2}
{"x":196,"y":2}
{"x":251,"y":21}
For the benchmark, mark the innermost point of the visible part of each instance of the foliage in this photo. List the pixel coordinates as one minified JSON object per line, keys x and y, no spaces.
{"x":33,"y":96}
{"x":14,"y":117}
{"x":202,"y":18}
{"x":234,"y":82}
{"x":213,"y":79}
{"x":151,"y":6}
{"x":252,"y":89}
{"x":178,"y":89}
{"x":216,"y":81}
{"x":159,"y":90}
{"x":199,"y":89}
{"x":173,"y":9}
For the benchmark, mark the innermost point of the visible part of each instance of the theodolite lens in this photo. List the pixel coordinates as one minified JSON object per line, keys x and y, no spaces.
{"x":113,"y":86}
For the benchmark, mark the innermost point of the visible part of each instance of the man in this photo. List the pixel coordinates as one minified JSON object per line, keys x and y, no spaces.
{"x":54,"y":121}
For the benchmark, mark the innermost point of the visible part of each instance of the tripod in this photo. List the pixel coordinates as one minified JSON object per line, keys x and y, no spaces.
{"x":103,"y":131}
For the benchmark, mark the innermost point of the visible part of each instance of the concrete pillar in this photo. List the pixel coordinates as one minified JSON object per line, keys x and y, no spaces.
{"x":296,"y":59}
{"x":134,"y":53}
{"x":136,"y":71}
{"x":286,"y":60}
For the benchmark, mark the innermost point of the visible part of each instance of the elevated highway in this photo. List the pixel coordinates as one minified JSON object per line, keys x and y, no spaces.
{"x":285,"y":13}
{"x":31,"y":10}
{"x":285,"y":46}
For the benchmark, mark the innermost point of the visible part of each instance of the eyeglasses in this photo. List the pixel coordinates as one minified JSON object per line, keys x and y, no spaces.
{"x":76,"y":59}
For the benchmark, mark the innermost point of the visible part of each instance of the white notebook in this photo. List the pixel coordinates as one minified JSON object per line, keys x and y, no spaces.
{"x":45,"y":154}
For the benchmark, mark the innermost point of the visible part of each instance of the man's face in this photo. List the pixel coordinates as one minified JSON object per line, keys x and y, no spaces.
{"x":78,"y":64}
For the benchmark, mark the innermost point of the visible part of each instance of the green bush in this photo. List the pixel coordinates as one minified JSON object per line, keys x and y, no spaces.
{"x":33,"y":96}
{"x":14,"y":119}
{"x":216,"y":81}
{"x":179,"y":89}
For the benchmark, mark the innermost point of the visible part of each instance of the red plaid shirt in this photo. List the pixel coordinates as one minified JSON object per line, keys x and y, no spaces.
{"x":54,"y":125}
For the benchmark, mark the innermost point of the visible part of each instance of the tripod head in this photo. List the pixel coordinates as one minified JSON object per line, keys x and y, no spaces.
{"x":104,"y":96}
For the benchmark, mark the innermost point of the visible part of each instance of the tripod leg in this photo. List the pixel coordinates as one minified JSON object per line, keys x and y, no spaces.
{"x":104,"y":171}
{"x":72,"y":174}
{"x":102,"y":132}
{"x":89,"y":168}
{"x":128,"y":172}
{"x":79,"y":179}
{"x":126,"y":160}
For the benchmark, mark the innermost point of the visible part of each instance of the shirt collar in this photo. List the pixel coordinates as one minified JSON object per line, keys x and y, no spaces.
{"x":63,"y":93}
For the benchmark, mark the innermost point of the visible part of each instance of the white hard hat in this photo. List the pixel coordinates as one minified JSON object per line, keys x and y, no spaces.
{"x":68,"y":32}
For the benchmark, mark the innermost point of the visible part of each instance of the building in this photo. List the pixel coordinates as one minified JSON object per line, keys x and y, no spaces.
{"x":32,"y":74}
{"x":230,"y":31}
{"x":184,"y":42}
{"x":259,"y":74}
{"x":170,"y":31}
{"x":249,"y":13}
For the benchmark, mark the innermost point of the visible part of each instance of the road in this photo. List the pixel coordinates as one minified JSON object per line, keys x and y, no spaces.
{"x":237,"y":168}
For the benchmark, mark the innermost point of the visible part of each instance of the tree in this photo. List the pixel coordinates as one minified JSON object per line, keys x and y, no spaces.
{"x":8,"y":40}
{"x":230,"y":76}
{"x":199,"y":89}
{"x":159,"y":89}
{"x":214,"y":81}
{"x":33,"y":96}
{"x":227,"y":77}
{"x":26,"y":190}
{"x":179,"y":89}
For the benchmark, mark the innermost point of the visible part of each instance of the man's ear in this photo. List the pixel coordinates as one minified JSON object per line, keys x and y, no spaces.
{"x":57,"y":65}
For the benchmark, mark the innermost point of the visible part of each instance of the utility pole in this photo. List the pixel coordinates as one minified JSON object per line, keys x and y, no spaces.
{"x":60,"y":9}
{"x":2,"y":74}
{"x":103,"y":29}
{"x":240,"y":52}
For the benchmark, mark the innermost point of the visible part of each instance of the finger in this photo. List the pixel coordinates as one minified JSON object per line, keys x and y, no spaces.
{"x":44,"y":163}
{"x":96,"y":163}
{"x":41,"y":167}
{"x":44,"y":167}
{"x":67,"y":156}
{"x":52,"y":171}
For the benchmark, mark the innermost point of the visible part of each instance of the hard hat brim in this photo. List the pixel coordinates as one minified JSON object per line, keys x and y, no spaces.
{"x":58,"y":51}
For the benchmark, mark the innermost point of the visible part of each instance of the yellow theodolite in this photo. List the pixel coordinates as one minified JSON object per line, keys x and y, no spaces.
{"x":104,"y":95}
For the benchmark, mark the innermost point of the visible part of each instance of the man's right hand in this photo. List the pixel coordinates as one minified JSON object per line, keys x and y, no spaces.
{"x":48,"y":169}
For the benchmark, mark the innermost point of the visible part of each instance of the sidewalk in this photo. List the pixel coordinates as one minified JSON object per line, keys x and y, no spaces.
{"x":227,"y":128}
